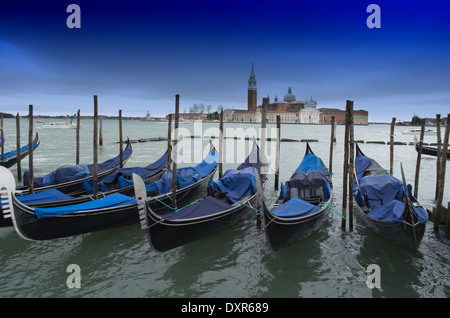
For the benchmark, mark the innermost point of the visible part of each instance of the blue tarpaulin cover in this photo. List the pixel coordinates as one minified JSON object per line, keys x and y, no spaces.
{"x":68,"y":173}
{"x":13,"y":153}
{"x":384,"y":187}
{"x":309,"y":172}
{"x":310,"y":163}
{"x":116,"y":179}
{"x":361,"y":164}
{"x":43,"y":196}
{"x":207,"y":206}
{"x":109,"y":201}
{"x":295,"y":207}
{"x":391,"y":190}
{"x":205,"y":167}
{"x":186,"y":176}
{"x":392,"y":211}
{"x":143,"y":172}
{"x":237,"y":183}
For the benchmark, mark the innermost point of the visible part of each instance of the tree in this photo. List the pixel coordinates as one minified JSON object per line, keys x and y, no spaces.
{"x":416,"y":120}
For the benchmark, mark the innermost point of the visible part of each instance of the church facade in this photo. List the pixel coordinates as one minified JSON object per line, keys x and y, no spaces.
{"x":289,"y":109}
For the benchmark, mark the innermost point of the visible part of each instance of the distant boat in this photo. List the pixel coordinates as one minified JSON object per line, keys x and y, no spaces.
{"x":60,"y":125}
{"x":432,"y":151}
{"x":417,"y":132}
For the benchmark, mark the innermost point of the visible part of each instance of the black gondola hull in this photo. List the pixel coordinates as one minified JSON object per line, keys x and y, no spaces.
{"x":164,"y":235}
{"x":128,"y":190}
{"x":5,"y":222}
{"x":14,"y":159}
{"x":282,"y":232}
{"x":31,"y":228}
{"x":432,"y":151}
{"x":405,"y":235}
{"x":75,"y":187}
{"x":408,"y":234}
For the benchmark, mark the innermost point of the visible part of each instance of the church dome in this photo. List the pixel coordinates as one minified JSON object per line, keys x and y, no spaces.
{"x":289,"y":97}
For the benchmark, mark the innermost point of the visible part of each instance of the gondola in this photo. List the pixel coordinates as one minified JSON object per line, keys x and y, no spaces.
{"x":388,"y":209}
{"x":118,"y":181}
{"x":111,"y":211}
{"x":10,"y":158}
{"x":69,"y":178}
{"x":302,"y":206}
{"x":432,"y":151}
{"x":229,"y":199}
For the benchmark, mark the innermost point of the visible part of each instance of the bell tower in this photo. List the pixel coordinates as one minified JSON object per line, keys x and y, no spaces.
{"x":251,"y":103}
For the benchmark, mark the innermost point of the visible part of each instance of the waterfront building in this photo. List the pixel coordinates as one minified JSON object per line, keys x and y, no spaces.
{"x":360,"y":116}
{"x":290,"y":110}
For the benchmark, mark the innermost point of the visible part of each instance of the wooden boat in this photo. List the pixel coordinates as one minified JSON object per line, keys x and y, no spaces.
{"x":303,"y":205}
{"x":111,"y":211}
{"x":387,"y":210}
{"x":10,"y":158}
{"x":228,"y":201}
{"x":429,"y":150}
{"x":69,"y":178}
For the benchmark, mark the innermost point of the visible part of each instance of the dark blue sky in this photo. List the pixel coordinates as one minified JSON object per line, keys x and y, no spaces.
{"x":136,"y":55}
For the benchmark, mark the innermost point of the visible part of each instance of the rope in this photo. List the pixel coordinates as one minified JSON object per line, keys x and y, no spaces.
{"x":248,"y":206}
{"x":154,"y":198}
{"x":332,"y":207}
{"x":192,"y":203}
{"x":383,"y":170}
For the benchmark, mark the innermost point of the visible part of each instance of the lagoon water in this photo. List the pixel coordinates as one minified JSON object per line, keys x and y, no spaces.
{"x":236,"y":262}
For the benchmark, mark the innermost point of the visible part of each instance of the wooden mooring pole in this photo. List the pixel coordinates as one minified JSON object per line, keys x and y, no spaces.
{"x":277,"y":158}
{"x":262,"y":151}
{"x":221,"y":145}
{"x":438,"y":155}
{"x":350,"y":165}
{"x":333,"y":139}
{"x":262,"y":154}
{"x":175,"y":153}
{"x":121,"y":139}
{"x":30,"y":148}
{"x":95,"y":141}
{"x":100,"y":142}
{"x":391,"y":169}
{"x":345,"y":171}
{"x":169,"y":143}
{"x":419,"y":156}
{"x":19,"y":161}
{"x":442,"y":175}
{"x":77,"y":156}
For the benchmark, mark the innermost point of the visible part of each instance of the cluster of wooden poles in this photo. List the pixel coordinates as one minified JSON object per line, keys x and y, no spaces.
{"x":348,"y":166}
{"x":30,"y":145}
{"x":441,"y":159}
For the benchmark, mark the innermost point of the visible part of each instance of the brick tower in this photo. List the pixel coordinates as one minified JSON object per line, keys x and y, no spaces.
{"x":251,"y":104}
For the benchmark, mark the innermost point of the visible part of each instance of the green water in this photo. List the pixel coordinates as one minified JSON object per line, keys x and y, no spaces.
{"x":236,"y":262}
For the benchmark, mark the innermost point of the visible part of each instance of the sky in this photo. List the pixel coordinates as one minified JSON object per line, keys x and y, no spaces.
{"x":137,"y":55}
